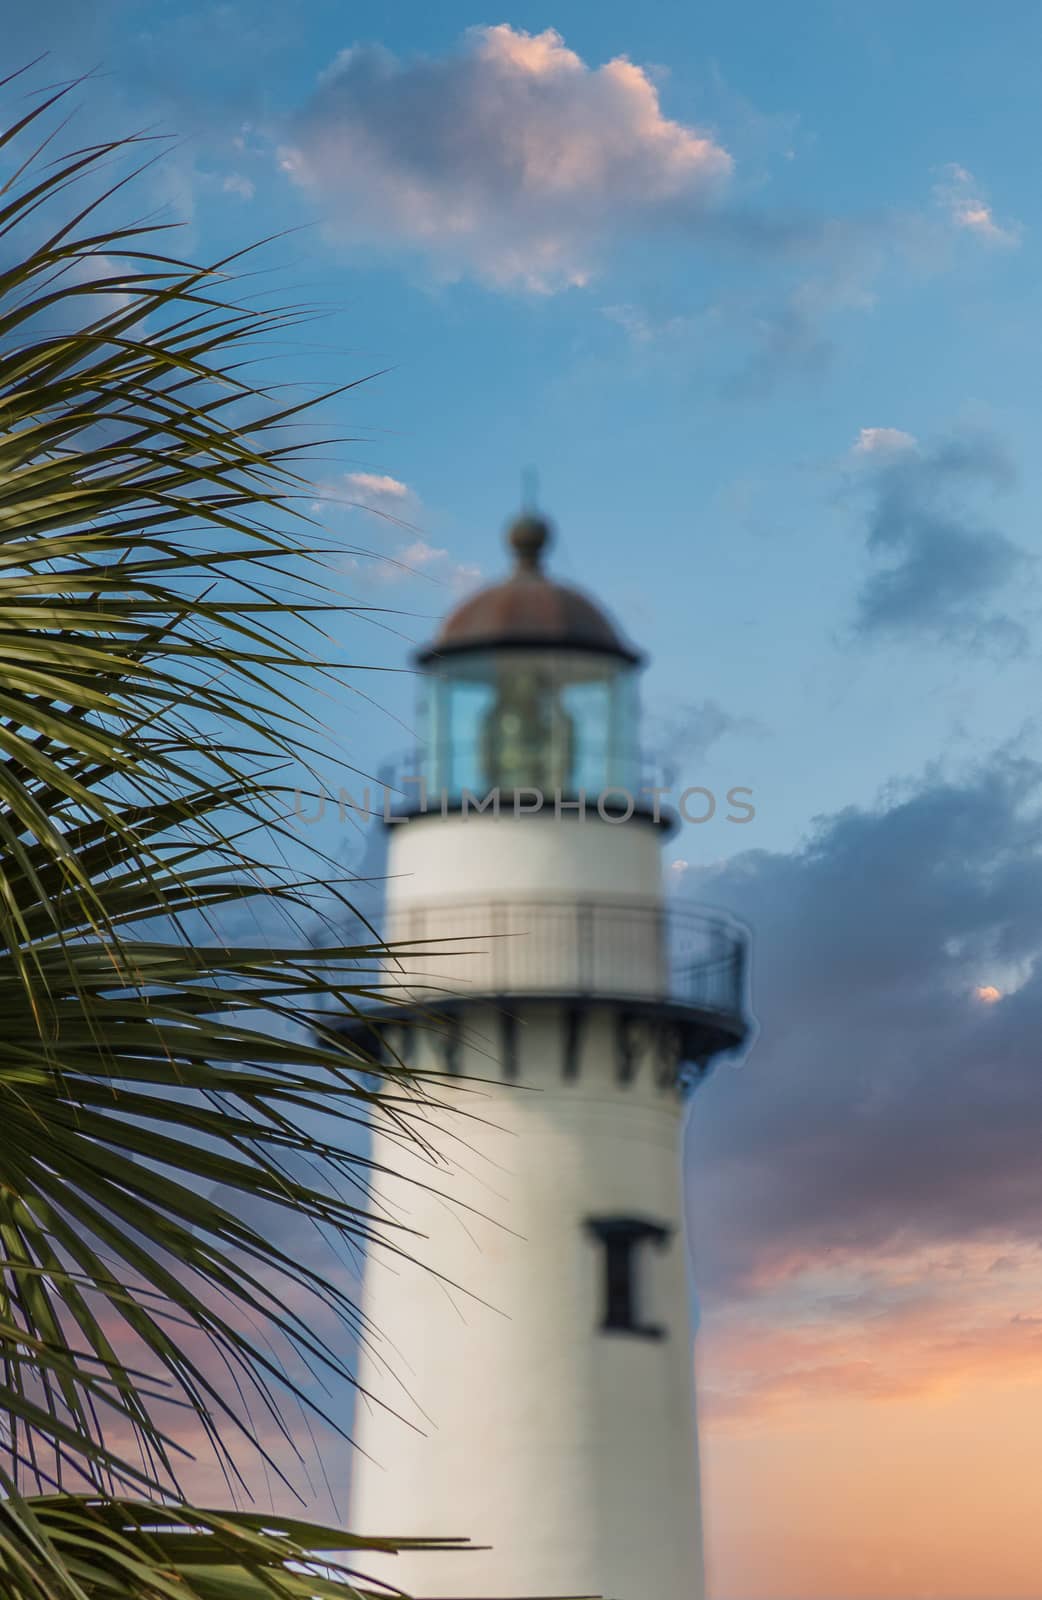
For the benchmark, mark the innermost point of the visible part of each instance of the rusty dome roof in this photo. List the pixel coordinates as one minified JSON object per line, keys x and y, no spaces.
{"x":528,"y":609}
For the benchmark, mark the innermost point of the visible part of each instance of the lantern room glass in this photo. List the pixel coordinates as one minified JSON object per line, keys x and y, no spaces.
{"x":557,"y":721}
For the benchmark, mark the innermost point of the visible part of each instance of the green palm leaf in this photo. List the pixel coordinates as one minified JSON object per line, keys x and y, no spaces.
{"x":162,"y":612}
{"x":109,"y":1550}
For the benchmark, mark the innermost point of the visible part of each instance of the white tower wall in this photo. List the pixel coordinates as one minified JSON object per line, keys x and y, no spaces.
{"x":553,"y":905}
{"x":499,"y":1409}
{"x":569,"y":1451}
{"x":433,"y":857}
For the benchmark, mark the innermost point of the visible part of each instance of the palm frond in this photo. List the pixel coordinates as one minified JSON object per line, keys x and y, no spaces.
{"x":81,"y":1549}
{"x":165,"y":1095}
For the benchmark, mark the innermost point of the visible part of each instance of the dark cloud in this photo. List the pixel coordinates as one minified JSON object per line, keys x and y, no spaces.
{"x":828,"y":273}
{"x":787,"y":342}
{"x":687,"y":734}
{"x":886,"y":1104}
{"x":940,"y":564}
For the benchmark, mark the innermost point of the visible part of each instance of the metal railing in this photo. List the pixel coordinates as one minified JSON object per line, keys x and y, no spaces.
{"x":633,"y":949}
{"x":409,"y":781}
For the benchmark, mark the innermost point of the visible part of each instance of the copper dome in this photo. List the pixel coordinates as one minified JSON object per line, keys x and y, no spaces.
{"x":528,"y":609}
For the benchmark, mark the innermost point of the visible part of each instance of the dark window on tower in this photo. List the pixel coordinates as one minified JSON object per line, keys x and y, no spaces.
{"x":621,"y":1239}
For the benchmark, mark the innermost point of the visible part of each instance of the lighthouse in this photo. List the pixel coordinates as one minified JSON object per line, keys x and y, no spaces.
{"x":526,"y":1374}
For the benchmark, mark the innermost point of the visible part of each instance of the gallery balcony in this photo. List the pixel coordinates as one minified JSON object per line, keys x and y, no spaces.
{"x":680,"y":964}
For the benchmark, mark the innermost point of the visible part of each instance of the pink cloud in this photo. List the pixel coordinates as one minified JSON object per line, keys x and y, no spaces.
{"x":923,"y":1325}
{"x":883,"y":441}
{"x":960,"y":196}
{"x":511,"y":159}
{"x":370,"y":486}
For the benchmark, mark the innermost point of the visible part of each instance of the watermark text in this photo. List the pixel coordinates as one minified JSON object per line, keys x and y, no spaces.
{"x":696,"y":804}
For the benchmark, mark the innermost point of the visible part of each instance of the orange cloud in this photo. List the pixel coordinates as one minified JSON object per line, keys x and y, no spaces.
{"x":871,"y":1429}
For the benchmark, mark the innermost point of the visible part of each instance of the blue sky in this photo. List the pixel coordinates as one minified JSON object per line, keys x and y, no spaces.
{"x":756,"y":289}
{"x":856,"y":252}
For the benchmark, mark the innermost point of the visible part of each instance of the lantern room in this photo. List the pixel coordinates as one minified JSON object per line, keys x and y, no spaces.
{"x":529,"y":686}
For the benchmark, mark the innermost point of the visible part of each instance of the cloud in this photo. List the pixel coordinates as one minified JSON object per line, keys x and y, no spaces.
{"x":824,"y":270}
{"x":920,"y":1325}
{"x":959,"y":195}
{"x":939,"y":566}
{"x":421,"y":557}
{"x":792,"y":334}
{"x":788,"y":342}
{"x":885,"y":1109}
{"x":686,"y":735}
{"x":394,"y":507}
{"x":390,"y":498}
{"x":864,"y":1193}
{"x":644,"y":328}
{"x":824,"y":274}
{"x":511,"y":159}
{"x":883,"y":441}
{"x":373,"y":487}
{"x":235,"y":183}
{"x":422,"y":554}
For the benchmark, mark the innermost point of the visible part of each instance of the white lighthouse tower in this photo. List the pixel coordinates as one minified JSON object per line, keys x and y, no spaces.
{"x":528,"y":1383}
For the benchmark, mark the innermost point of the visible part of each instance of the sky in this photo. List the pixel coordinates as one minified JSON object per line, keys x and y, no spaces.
{"x":755,"y":289}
